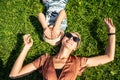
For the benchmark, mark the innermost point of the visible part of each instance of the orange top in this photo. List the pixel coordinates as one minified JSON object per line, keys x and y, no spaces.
{"x":73,"y":67}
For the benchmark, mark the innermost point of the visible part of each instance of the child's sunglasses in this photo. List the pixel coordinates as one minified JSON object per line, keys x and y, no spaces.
{"x":69,"y":35}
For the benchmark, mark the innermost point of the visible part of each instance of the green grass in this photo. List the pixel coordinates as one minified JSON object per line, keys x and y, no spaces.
{"x":19,"y":17}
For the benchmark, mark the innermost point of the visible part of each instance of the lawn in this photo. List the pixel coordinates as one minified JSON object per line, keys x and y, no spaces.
{"x":19,"y":17}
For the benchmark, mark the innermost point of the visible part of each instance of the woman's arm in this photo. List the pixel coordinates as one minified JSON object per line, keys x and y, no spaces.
{"x":18,"y":70}
{"x":110,"y":50}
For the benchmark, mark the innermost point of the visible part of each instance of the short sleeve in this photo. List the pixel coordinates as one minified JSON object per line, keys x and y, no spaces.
{"x":40,"y":61}
{"x":82,"y":65}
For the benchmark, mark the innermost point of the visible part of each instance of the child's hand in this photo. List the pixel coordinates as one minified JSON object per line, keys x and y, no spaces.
{"x":55,"y":33}
{"x":47,"y":33}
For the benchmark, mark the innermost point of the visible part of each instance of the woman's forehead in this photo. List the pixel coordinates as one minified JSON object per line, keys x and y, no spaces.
{"x":74,"y":34}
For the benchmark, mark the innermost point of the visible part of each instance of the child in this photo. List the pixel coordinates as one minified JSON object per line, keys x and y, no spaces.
{"x":54,"y":22}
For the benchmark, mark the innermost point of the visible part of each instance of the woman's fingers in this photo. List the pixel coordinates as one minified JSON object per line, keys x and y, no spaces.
{"x":109,"y":24}
{"x":28,"y":39}
{"x":25,"y":37}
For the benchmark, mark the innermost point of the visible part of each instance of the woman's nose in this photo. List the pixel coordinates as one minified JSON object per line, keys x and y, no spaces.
{"x":71,"y":39}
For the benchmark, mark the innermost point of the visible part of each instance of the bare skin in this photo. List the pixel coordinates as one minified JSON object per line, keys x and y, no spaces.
{"x":60,"y":59}
{"x":110,"y":50}
{"x":52,"y":32}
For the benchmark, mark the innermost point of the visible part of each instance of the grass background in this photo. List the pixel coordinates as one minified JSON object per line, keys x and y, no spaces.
{"x":19,"y":17}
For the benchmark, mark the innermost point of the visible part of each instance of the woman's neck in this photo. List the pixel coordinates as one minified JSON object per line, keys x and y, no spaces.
{"x":64,"y":53}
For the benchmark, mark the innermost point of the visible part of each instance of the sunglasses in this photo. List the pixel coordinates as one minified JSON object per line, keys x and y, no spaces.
{"x":69,"y":35}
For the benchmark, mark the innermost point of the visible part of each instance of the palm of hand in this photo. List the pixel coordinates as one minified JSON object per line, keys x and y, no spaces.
{"x":109,"y":24}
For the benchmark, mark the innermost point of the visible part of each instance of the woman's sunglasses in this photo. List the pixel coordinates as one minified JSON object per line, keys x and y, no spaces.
{"x":69,"y":35}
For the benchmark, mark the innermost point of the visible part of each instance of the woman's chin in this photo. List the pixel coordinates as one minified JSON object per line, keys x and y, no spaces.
{"x":68,"y":45}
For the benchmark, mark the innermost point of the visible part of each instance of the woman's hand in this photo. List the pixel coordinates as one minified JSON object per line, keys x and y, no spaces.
{"x":109,"y":24}
{"x":28,"y":40}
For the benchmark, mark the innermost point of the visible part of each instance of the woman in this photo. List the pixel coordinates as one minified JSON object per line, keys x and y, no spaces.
{"x":62,"y":66}
{"x":55,"y":22}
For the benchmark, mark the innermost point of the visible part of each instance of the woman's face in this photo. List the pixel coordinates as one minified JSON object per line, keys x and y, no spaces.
{"x":70,"y":41}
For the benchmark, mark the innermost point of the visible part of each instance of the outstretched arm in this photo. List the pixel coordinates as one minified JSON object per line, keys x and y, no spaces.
{"x":18,"y":70}
{"x":110,"y":50}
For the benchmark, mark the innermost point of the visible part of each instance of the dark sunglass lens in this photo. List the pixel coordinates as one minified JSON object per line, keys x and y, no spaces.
{"x":69,"y":35}
{"x":76,"y":39}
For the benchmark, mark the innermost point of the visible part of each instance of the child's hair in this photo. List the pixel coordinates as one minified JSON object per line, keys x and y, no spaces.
{"x":54,"y":42}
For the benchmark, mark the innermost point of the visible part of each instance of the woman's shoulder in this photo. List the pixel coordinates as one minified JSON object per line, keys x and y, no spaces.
{"x":45,"y":55}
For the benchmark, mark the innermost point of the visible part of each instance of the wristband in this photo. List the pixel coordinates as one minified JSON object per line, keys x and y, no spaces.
{"x":111,"y":34}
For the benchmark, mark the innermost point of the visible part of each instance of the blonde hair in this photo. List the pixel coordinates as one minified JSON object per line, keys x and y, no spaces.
{"x":54,"y":42}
